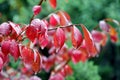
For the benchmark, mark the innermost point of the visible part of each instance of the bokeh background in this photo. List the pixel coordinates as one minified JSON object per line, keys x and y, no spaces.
{"x":89,"y":12}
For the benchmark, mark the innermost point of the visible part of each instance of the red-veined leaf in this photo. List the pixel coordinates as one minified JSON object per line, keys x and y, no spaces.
{"x":90,"y":46}
{"x":76,"y":37}
{"x":53,"y":3}
{"x":59,"y":38}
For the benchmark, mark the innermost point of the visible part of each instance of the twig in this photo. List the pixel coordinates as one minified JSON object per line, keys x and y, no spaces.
{"x":65,"y":26}
{"x":40,"y":3}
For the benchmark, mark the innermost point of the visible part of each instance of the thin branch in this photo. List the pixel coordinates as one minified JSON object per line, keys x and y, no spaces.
{"x":64,"y":26}
{"x":40,"y":3}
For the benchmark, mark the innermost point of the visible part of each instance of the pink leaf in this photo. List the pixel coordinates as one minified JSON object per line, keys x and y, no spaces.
{"x":5,"y":28}
{"x":97,"y":36}
{"x":56,"y":77}
{"x":39,"y":25}
{"x":14,"y":49}
{"x":76,"y":37}
{"x":1,"y":63}
{"x":35,"y":78}
{"x":59,"y":38}
{"x":5,"y":47}
{"x":104,"y":26}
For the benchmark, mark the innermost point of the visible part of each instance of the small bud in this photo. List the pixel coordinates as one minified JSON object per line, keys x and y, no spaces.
{"x":37,"y":9}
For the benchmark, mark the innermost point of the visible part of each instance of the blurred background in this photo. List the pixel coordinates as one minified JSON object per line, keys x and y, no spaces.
{"x":89,"y":12}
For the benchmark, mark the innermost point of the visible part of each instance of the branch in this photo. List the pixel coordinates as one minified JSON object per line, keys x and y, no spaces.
{"x":40,"y":3}
{"x":65,"y":26}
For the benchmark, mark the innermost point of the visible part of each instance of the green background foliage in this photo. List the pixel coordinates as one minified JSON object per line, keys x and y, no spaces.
{"x":88,"y":12}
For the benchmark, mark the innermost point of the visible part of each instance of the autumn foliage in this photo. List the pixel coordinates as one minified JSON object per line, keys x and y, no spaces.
{"x":52,"y":33}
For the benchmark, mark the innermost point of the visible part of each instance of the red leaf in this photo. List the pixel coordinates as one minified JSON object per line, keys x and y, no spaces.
{"x":54,"y":20}
{"x":39,"y":25}
{"x":15,"y":27}
{"x":1,"y":63}
{"x":65,"y":71}
{"x":97,"y":36}
{"x":56,"y":77}
{"x":53,"y":3}
{"x":14,"y":49}
{"x":31,"y":33}
{"x":104,"y":26}
{"x":67,"y":15}
{"x":84,"y":55}
{"x":37,"y":62}
{"x":4,"y":58}
{"x":64,"y":18}
{"x":59,"y":38}
{"x":76,"y":56}
{"x":5,"y":29}
{"x":68,"y":70}
{"x":43,"y":40}
{"x":5,"y":47}
{"x":76,"y":37}
{"x":48,"y":62}
{"x":27,"y":55}
{"x":37,"y":9}
{"x":90,"y":46}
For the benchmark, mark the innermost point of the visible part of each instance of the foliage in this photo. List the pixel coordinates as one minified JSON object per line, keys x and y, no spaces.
{"x":40,"y":52}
